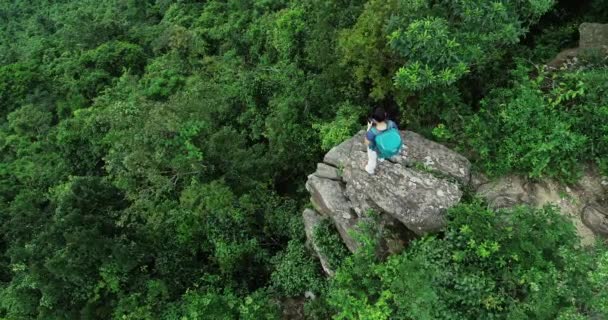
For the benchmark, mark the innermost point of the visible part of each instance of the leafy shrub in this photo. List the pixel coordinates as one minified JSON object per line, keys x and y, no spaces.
{"x":212,"y":303}
{"x":543,"y":126}
{"x":598,"y":279}
{"x":30,"y":121}
{"x":523,"y":129}
{"x":356,"y":292}
{"x":434,"y":43}
{"x":522,"y":263}
{"x":296,"y":271}
{"x":342,"y":127}
{"x":162,"y":79}
{"x":364,"y":48}
{"x":591,"y":107}
{"x":15,"y":81}
{"x":440,"y":132}
{"x":330,"y":244}
{"x":593,"y":58}
{"x":436,"y":105}
{"x":113,"y":56}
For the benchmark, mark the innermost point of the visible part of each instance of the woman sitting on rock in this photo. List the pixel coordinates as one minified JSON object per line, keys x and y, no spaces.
{"x":382,"y":139}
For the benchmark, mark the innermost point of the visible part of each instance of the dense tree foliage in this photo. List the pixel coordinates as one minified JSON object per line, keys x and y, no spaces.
{"x":153,"y":153}
{"x":519,"y":264}
{"x":566,"y":115}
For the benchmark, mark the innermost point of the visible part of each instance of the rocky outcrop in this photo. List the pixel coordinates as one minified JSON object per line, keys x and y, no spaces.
{"x":409,"y":194}
{"x":328,"y":198}
{"x":584,"y":202}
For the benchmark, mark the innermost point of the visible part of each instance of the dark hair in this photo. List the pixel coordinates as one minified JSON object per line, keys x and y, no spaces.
{"x":379,"y":114}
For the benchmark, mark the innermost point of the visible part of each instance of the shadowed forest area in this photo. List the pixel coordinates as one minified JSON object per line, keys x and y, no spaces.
{"x":153,"y":156}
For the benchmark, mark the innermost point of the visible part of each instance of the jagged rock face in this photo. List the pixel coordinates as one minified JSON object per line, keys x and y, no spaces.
{"x":311,"y":221}
{"x":596,"y":218}
{"x":581,"y":202}
{"x":409,"y":200}
{"x":328,"y":198}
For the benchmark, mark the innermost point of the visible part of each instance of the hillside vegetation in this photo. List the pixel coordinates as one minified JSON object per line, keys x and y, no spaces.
{"x":153,"y":155}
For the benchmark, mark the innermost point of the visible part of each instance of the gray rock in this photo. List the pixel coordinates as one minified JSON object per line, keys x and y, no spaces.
{"x":407,"y":202}
{"x":417,"y":199}
{"x":327,"y":172}
{"x":410,"y":200}
{"x":328,"y":198}
{"x":514,"y":190}
{"x":593,"y":35}
{"x":311,"y":221}
{"x":434,"y":156}
{"x":593,"y":185}
{"x":596,"y":218}
{"x":338,"y":154}
{"x":505,"y":192}
{"x":416,"y":149}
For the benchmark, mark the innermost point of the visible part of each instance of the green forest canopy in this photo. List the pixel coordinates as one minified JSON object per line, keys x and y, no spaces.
{"x":153,"y":154}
